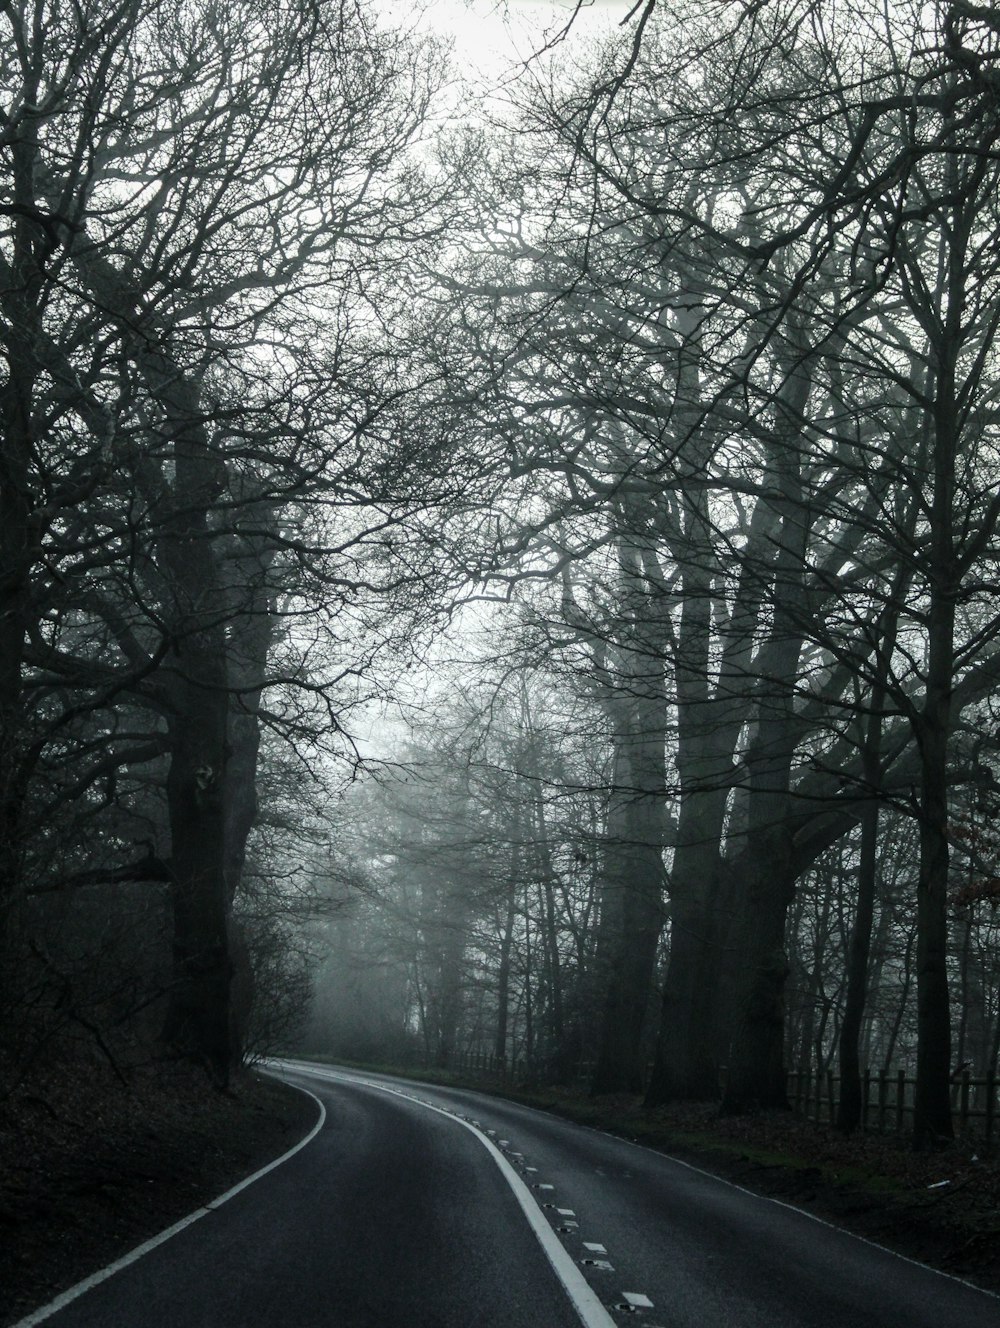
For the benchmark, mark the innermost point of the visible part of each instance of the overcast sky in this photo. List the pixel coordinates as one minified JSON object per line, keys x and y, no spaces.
{"x":489,"y":33}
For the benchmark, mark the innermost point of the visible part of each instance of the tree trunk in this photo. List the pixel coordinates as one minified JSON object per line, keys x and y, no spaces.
{"x":251,"y":635}
{"x":503,"y":976}
{"x":20,"y":304}
{"x":851,"y":1099}
{"x":691,"y":1041}
{"x":686,"y":1065}
{"x":637,"y":708}
{"x":756,"y":1077}
{"x":932,"y":1099}
{"x":198,"y":1016}
{"x":507,"y":939}
{"x":634,"y":863}
{"x":851,"y":1104}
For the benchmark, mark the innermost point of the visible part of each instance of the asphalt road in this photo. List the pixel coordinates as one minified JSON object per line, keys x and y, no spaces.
{"x":398,"y":1215}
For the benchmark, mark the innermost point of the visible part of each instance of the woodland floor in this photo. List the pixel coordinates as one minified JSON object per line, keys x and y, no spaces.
{"x":90,"y":1169}
{"x":941,"y":1208}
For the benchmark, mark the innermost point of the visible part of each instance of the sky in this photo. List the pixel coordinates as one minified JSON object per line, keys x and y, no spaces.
{"x":489,"y":33}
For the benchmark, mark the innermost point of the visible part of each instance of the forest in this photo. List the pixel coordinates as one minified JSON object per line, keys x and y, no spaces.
{"x":503,"y":573}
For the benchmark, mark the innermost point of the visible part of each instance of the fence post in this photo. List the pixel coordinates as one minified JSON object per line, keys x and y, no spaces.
{"x":883,"y":1093}
{"x":991,"y":1085}
{"x":900,"y":1100}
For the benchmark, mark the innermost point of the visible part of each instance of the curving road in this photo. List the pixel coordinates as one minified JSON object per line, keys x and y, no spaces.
{"x":398,"y":1214}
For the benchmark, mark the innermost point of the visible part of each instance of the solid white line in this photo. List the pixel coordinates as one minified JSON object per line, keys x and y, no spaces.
{"x":102,"y":1275}
{"x":792,"y":1208}
{"x":582,"y":1297}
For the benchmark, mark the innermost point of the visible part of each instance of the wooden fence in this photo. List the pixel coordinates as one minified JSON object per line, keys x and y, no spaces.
{"x":887,"y":1101}
{"x":887,"y":1098}
{"x":482,"y":1062}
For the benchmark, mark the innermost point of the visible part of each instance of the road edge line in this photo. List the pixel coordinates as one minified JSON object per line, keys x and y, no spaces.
{"x":95,"y":1279}
{"x":584,"y":1299}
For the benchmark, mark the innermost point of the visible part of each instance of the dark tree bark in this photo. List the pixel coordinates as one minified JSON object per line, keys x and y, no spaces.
{"x":198,"y":1018}
{"x":20,"y":327}
{"x":849,"y":1110}
{"x":632,"y":895}
{"x":945,"y":324}
{"x":850,"y":1106}
{"x":932,"y":1100}
{"x":250,"y":595}
{"x":503,"y":973}
{"x":756,"y":1075}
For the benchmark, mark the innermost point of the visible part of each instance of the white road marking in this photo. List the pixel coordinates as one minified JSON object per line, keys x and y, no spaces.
{"x":764,"y":1198}
{"x":637,"y":1300}
{"x":102,"y":1275}
{"x":583,"y":1298}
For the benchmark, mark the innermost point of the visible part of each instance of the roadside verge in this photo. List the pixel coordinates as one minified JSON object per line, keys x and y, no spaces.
{"x":92,"y":1179}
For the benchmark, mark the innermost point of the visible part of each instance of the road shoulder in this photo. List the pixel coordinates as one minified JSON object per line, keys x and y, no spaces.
{"x":90,"y":1169}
